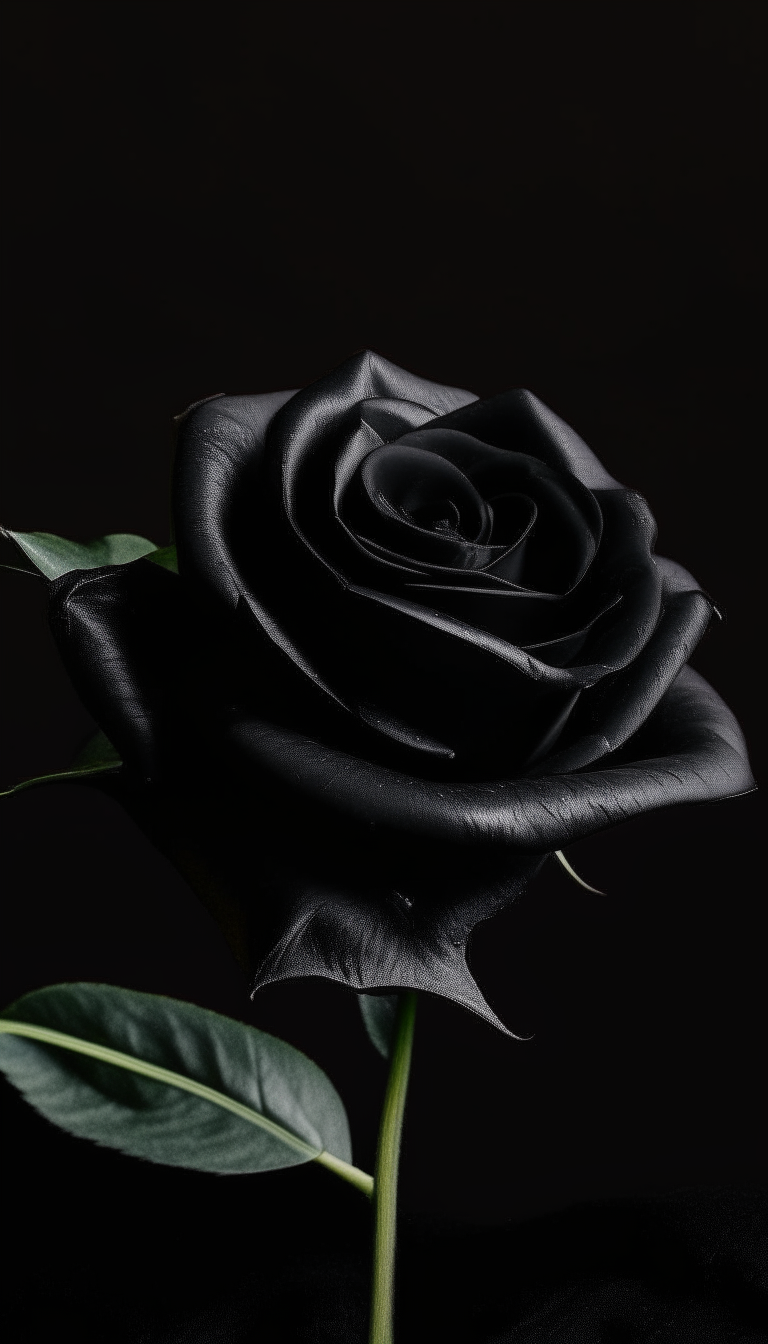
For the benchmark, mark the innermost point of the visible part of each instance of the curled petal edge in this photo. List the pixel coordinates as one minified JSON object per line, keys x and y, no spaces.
{"x":690,"y":750}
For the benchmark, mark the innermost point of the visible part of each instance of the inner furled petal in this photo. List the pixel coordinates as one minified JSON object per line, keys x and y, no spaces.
{"x":562,"y":545}
{"x":514,"y":515}
{"x":449,"y":562}
{"x":376,"y":422}
{"x":420,"y":507}
{"x":424,"y":490}
{"x":450,"y":557}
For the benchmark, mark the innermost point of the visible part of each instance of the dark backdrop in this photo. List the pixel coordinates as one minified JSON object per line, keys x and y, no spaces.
{"x":235,"y":198}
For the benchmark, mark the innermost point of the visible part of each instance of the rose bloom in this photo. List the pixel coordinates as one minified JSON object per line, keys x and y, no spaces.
{"x":417,"y":642}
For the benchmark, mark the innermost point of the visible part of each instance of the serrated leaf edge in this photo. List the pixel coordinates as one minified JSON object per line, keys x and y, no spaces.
{"x":48,"y":1036}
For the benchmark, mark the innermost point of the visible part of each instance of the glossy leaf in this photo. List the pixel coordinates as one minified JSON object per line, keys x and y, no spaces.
{"x":55,"y":556}
{"x":379,"y":1013}
{"x":170,"y":1082}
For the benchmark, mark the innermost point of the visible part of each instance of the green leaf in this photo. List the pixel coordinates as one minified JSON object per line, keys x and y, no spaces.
{"x":171,"y":1082}
{"x":379,"y":1013}
{"x":97,"y":754}
{"x":98,"y":757}
{"x":55,"y":556}
{"x":165,"y":557}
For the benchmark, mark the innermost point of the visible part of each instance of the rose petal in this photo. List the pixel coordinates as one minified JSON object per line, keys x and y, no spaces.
{"x":421,"y":505}
{"x":321,"y":410}
{"x":235,"y":539}
{"x":520,"y":421}
{"x":691,"y":750}
{"x":616,"y":707}
{"x":569,"y":522}
{"x":120,"y":631}
{"x":220,"y":444}
{"x":490,"y":701}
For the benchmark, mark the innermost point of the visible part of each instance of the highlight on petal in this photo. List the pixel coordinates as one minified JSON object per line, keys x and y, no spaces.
{"x":690,"y":750}
{"x":121,"y":635}
{"x":220,"y":442}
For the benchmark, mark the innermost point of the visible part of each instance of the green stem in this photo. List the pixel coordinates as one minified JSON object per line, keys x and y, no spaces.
{"x":385,"y":1179}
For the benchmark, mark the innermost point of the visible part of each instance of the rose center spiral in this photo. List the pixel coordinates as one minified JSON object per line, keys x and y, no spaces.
{"x":439,"y":515}
{"x":425,"y":491}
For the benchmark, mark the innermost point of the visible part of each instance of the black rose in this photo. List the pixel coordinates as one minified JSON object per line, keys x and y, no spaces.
{"x":417,"y":642}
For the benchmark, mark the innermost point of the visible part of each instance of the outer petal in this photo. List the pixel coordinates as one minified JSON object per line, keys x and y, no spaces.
{"x":119,"y":631}
{"x":221,"y":441}
{"x":691,"y":750}
{"x":520,"y":421}
{"x":619,"y":705}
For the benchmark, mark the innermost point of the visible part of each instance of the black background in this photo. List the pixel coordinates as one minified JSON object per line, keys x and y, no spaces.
{"x":235,"y":198}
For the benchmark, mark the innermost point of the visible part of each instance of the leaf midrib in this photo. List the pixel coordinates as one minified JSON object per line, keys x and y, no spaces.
{"x":49,"y":1036}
